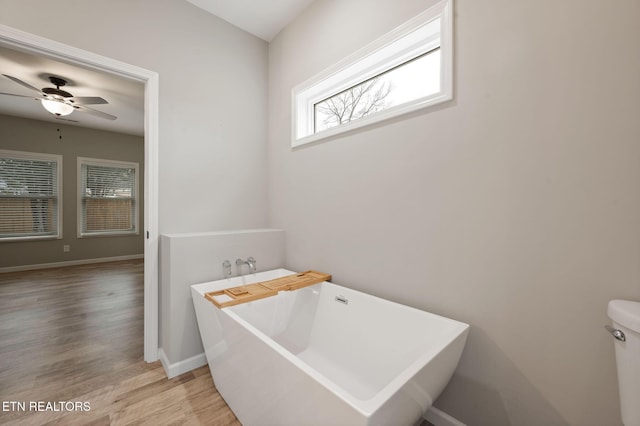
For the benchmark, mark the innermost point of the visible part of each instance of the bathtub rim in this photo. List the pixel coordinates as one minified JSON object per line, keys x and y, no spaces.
{"x":366,"y":407}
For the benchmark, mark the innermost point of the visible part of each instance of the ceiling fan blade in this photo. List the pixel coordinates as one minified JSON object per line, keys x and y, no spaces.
{"x":20,"y":96}
{"x":67,"y":119}
{"x":95,"y":112}
{"x":87,"y":100}
{"x":22,"y":83}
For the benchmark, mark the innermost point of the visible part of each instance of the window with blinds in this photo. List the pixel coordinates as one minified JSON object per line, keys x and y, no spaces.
{"x":108,"y":197}
{"x":30,"y":202}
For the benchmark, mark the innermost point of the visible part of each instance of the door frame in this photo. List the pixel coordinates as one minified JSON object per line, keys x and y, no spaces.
{"x":20,"y":40}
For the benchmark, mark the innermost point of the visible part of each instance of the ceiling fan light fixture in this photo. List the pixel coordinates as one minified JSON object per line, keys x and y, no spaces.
{"x":56,"y":107}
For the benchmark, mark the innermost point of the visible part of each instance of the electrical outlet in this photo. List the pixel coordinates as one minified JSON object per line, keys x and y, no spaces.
{"x":66,"y":248}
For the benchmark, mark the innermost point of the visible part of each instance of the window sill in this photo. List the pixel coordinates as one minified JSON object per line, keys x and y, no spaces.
{"x":30,"y":238}
{"x":109,"y":234}
{"x":378,"y":117}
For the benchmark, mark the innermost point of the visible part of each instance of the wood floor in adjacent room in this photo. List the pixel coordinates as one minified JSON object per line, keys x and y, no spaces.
{"x":76,"y":334}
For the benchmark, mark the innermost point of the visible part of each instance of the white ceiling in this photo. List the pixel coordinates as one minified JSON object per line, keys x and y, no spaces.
{"x":125,"y":97}
{"x":261,"y":18}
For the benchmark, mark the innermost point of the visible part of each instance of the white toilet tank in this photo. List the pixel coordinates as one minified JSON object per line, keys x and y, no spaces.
{"x":625,"y":315}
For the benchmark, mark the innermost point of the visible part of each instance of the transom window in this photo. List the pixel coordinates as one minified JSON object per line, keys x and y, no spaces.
{"x":108,"y":197}
{"x":30,"y":195}
{"x":407,"y":69}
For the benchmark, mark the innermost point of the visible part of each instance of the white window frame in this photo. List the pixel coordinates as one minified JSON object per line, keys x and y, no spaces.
{"x":23,"y":155}
{"x":135,"y":196}
{"x":395,"y":48}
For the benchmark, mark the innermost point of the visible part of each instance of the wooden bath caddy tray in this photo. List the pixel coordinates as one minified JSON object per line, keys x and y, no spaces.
{"x":250,"y":292}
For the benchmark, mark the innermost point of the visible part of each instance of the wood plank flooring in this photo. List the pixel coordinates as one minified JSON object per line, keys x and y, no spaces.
{"x":76,"y":334}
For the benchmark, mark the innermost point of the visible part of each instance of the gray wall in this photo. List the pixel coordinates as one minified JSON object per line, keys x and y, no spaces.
{"x":212,"y":91}
{"x":21,"y":134}
{"x":515,"y":207}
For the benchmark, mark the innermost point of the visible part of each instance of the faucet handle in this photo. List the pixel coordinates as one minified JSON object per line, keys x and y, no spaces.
{"x":226,"y":267}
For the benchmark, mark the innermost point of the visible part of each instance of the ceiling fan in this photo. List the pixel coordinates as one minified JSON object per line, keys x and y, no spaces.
{"x":60,"y":102}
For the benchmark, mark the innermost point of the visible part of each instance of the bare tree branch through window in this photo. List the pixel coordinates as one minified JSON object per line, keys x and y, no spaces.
{"x":356,"y":102}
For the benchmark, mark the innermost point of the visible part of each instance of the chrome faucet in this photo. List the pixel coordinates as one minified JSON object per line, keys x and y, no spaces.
{"x":250,"y":261}
{"x":252,"y":264}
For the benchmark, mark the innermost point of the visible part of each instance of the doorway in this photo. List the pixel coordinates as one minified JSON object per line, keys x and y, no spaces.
{"x":20,"y":40}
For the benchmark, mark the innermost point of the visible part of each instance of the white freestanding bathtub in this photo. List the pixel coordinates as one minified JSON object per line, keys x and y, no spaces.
{"x":325,"y":355}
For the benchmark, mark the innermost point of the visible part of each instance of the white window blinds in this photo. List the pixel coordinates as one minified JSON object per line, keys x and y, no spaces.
{"x":30,"y":204}
{"x":108,"y":197}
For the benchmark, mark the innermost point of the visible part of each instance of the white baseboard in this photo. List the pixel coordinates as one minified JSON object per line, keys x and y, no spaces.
{"x":181,"y":367}
{"x":440,"y":418}
{"x":69,"y":263}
